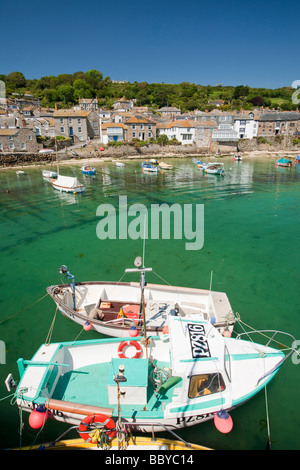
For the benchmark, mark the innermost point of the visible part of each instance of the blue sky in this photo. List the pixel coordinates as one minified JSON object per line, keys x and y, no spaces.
{"x":253,"y":43}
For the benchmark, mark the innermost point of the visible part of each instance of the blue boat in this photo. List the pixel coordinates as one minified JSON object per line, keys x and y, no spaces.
{"x":150,"y":165}
{"x":88,"y":170}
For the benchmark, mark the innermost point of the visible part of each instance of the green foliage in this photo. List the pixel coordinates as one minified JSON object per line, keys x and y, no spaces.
{"x":66,"y":89}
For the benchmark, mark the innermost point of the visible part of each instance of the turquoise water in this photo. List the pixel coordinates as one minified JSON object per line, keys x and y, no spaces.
{"x":251,"y":244}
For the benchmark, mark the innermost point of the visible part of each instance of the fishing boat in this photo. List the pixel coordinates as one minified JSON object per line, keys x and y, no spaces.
{"x":184,"y":377}
{"x":114,"y":308}
{"x":20,"y":172}
{"x":120,"y":164}
{"x":214,"y":168}
{"x":283,"y":162}
{"x":88,"y":170}
{"x":151,"y":165}
{"x":237,"y":158}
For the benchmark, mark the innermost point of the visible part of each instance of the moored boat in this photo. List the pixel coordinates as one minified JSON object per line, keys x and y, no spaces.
{"x":237,"y":158}
{"x":283,"y":162}
{"x":179,"y":379}
{"x":214,"y":168}
{"x":67,"y":184}
{"x":151,"y":165}
{"x":88,"y":170}
{"x":112,"y":308}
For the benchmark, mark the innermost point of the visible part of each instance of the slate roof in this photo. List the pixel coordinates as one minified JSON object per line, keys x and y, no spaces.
{"x":288,"y":116}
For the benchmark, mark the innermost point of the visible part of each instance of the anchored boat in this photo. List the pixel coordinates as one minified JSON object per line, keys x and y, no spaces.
{"x":88,"y":170}
{"x":112,"y":308}
{"x":214,"y":168}
{"x":151,"y":165}
{"x":178,"y":379}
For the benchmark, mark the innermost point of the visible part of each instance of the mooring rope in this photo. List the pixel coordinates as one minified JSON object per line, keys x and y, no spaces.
{"x":23,"y":309}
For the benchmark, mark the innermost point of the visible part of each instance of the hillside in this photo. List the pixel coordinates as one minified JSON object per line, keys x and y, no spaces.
{"x":64,"y":90}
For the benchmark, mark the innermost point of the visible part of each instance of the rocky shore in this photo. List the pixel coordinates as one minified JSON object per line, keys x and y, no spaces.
{"x":245,"y":148}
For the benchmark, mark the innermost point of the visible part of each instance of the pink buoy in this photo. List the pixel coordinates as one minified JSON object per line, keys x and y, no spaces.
{"x":38,"y":417}
{"x":133,"y":332}
{"x":223,"y":422}
{"x":87,"y":326}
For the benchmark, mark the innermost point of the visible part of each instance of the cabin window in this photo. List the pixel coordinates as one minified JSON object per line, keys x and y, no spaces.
{"x":205,"y":384}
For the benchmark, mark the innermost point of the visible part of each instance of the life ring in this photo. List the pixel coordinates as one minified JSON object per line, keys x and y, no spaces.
{"x":124,"y":345}
{"x":105,"y":421}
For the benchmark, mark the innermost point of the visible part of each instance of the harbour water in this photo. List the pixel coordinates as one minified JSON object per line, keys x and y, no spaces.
{"x":251,"y":245}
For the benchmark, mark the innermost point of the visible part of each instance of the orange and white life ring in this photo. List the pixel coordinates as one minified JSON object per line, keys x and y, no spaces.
{"x":95,"y":419}
{"x":122,"y":347}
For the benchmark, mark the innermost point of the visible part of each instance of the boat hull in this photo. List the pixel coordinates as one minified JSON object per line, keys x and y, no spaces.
{"x":160,"y":302}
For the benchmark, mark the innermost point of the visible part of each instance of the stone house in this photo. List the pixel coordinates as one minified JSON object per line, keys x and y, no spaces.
{"x":88,"y":104}
{"x":169,"y":112}
{"x":140,"y":127}
{"x":203,"y":133}
{"x":123,"y":105}
{"x":279,"y":123}
{"x":21,"y":139}
{"x":183,"y":131}
{"x":113,"y":132}
{"x":78,"y":124}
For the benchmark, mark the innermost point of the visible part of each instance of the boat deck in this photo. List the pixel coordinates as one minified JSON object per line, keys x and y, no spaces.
{"x":86,"y":386}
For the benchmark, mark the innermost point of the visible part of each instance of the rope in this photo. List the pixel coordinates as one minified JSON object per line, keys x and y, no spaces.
{"x":49,"y":335}
{"x":23,"y":309}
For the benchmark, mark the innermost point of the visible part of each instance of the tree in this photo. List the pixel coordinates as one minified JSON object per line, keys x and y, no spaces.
{"x":16,"y":79}
{"x":94,"y":78}
{"x":240,"y":91}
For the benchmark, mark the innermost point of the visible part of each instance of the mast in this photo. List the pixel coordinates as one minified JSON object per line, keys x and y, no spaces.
{"x":140,"y":268}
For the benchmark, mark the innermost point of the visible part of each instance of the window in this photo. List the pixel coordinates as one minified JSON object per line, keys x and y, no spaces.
{"x":133,"y":126}
{"x":149,"y":134}
{"x":23,"y":146}
{"x":62,"y":130}
{"x":79,"y":130}
{"x":10,"y":137}
{"x":141,"y":126}
{"x":79,"y":120}
{"x":95,"y":124}
{"x":11,"y":146}
{"x":70,"y":120}
{"x":205,"y":384}
{"x":61,"y":121}
{"x":133,"y":135}
{"x":149,"y":126}
{"x":30,"y":137}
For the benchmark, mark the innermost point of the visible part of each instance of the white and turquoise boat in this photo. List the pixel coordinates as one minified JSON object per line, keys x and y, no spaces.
{"x":151,"y":165}
{"x":214,"y":168}
{"x":178,"y":379}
